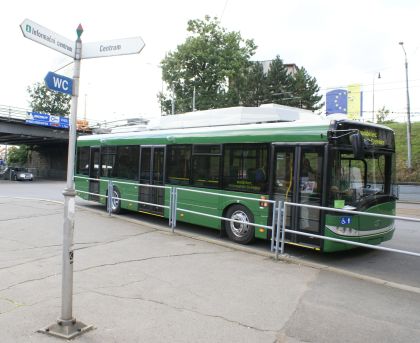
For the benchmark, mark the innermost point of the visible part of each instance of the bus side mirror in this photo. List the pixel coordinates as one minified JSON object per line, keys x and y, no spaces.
{"x":356,"y":140}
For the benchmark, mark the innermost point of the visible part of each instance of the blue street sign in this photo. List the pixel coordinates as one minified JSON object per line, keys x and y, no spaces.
{"x":59,"y":83}
{"x":44,"y":119}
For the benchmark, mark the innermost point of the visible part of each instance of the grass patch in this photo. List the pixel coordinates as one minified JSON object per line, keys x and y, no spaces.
{"x":400,"y":129}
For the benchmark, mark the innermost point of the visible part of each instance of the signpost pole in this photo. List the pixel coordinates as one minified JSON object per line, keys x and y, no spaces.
{"x":67,"y":327}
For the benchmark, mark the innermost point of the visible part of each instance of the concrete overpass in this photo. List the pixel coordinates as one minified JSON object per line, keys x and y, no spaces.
{"x":15,"y":131}
{"x":48,"y":156}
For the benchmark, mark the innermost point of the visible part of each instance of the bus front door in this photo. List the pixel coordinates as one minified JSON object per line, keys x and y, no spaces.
{"x":283,"y":181}
{"x":94,"y":170}
{"x":298,"y":178}
{"x":152,"y":167}
{"x":309,"y":192}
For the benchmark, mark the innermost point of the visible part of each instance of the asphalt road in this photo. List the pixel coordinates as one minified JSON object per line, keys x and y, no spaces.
{"x":409,"y":193}
{"x":389,"y":266}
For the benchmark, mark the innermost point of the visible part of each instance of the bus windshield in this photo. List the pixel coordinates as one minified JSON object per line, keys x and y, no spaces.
{"x":359,"y":180}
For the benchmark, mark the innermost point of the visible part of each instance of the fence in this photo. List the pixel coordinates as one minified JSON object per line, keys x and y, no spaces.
{"x":110,"y":195}
{"x":278,"y":223}
{"x":367,"y":214}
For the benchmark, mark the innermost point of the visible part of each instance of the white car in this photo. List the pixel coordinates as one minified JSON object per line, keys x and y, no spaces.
{"x":21,"y":174}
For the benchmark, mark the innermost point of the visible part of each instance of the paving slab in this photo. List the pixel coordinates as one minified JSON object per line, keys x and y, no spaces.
{"x":140,"y":283}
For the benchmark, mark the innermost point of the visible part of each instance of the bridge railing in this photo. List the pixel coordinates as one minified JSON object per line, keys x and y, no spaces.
{"x":10,"y":112}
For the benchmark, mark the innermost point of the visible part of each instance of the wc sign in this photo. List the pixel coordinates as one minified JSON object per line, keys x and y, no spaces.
{"x":59,"y":83}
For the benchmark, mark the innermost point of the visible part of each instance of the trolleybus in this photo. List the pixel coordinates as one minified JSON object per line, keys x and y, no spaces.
{"x":336,"y":164}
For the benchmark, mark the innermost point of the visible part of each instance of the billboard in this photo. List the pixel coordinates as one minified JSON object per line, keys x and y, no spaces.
{"x":44,"y":119}
{"x":336,"y":101}
{"x":354,"y":102}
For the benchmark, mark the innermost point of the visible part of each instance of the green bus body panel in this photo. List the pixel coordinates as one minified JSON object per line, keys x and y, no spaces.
{"x":82,"y":185}
{"x":361,"y":223}
{"x":216,"y":205}
{"x":197,"y":202}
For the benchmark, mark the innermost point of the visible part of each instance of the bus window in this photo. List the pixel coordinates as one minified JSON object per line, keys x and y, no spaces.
{"x":107,"y":161}
{"x":309,"y":189}
{"x":178,"y":164}
{"x":127,"y":162}
{"x":82,"y":165}
{"x":245,"y":167}
{"x":354,"y":180}
{"x":206,"y":166}
{"x":283,"y":178}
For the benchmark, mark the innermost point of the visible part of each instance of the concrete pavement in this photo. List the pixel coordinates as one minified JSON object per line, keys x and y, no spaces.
{"x":138,"y":283}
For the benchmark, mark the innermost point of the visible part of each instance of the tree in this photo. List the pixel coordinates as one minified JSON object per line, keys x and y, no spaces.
{"x":254,"y":89}
{"x":279,"y":83}
{"x":216,"y":64}
{"x":305,"y":91}
{"x":17,"y":155}
{"x":382,"y":114}
{"x":212,"y":60}
{"x":46,"y":101}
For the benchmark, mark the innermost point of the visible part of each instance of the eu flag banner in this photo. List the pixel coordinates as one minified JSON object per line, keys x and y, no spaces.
{"x":336,"y":101}
{"x":354,"y":102}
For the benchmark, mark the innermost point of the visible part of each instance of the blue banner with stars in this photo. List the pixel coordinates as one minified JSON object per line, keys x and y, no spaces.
{"x":336,"y":101}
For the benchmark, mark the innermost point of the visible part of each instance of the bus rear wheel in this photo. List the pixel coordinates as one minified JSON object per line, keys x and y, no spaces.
{"x":242,"y":233}
{"x":116,"y":202}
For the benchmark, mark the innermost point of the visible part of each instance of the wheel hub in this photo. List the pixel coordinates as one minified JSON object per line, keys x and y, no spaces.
{"x":239,"y":229}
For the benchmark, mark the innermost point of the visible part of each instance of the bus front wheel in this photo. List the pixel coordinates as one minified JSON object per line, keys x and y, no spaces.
{"x":242,"y":233}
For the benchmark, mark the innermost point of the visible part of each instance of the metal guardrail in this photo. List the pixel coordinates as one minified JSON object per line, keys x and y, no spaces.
{"x":11,"y":113}
{"x":15,"y":113}
{"x":272,"y":202}
{"x":278,"y":226}
{"x":376,"y":215}
{"x":173,"y":203}
{"x":110,"y":197}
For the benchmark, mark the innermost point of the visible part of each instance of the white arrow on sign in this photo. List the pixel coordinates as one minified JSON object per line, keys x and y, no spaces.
{"x":125,"y":46}
{"x":47,"y":37}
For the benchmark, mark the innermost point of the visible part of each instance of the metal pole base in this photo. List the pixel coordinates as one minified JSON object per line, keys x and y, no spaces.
{"x":66,"y":329}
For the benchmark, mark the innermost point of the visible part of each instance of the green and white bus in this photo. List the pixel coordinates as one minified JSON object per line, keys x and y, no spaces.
{"x":336,"y":164}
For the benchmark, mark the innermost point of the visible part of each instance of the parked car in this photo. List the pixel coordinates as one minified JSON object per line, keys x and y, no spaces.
{"x":21,"y":174}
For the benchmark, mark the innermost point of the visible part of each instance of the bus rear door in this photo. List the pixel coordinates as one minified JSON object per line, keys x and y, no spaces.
{"x":152,"y":168}
{"x":94,"y":173}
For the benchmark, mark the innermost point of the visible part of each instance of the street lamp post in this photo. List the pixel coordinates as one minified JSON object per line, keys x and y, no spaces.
{"x":409,"y":166}
{"x":373,"y":96}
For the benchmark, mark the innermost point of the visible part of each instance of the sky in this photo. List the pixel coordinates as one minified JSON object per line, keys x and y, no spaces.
{"x":338,"y":43}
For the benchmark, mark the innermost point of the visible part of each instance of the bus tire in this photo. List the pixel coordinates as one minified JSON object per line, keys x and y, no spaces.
{"x":116,"y":203}
{"x":240,"y":233}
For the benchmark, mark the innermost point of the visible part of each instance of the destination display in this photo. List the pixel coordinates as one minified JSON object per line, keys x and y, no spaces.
{"x":379,"y":137}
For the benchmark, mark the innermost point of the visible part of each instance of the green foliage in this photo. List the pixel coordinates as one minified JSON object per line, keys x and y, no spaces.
{"x":279,"y":83}
{"x":17,"y":155}
{"x":278,"y":86}
{"x":403,"y":174}
{"x":44,"y":100}
{"x":208,"y":60}
{"x":305,"y":91}
{"x":253,"y":91}
{"x":217,"y":64}
{"x":382,"y":115}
